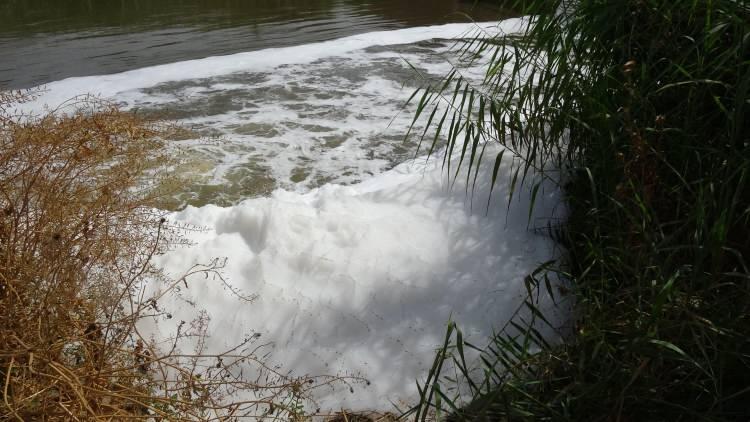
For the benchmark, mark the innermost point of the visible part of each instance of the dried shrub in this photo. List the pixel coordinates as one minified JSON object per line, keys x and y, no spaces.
{"x":78,"y":232}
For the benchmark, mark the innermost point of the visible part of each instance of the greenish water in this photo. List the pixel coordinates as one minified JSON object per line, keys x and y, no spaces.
{"x":47,"y":40}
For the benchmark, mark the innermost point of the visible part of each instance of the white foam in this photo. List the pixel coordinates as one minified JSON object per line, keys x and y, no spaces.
{"x":362,"y":279}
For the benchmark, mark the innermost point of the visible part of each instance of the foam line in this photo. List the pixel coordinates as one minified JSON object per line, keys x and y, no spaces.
{"x":109,"y":86}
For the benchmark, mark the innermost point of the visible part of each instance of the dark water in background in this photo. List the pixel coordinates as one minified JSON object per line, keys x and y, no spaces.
{"x":47,"y":40}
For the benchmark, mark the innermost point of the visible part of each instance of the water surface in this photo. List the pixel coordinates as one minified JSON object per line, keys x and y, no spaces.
{"x":48,"y":40}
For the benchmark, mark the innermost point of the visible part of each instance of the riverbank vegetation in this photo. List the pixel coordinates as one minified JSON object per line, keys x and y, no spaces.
{"x":644,"y":106}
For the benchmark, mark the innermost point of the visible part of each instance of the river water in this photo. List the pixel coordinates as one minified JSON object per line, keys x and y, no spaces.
{"x":48,"y":40}
{"x":295,"y":169}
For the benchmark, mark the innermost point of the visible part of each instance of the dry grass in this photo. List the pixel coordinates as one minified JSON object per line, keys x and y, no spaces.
{"x":77,"y":238}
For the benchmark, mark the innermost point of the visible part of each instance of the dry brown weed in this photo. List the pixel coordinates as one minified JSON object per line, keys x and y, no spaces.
{"x":77,"y":236}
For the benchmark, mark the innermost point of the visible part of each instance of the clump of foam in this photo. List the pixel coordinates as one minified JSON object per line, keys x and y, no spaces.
{"x":362,"y":279}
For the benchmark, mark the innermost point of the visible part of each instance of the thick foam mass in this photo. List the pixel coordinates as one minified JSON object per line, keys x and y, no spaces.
{"x":362,"y":279}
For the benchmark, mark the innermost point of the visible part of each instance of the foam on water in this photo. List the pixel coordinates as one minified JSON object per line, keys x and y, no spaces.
{"x":262,"y":60}
{"x":295,"y":117}
{"x":362,"y":279}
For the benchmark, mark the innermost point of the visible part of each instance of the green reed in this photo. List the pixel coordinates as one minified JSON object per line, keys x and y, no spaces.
{"x":641,"y":110}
